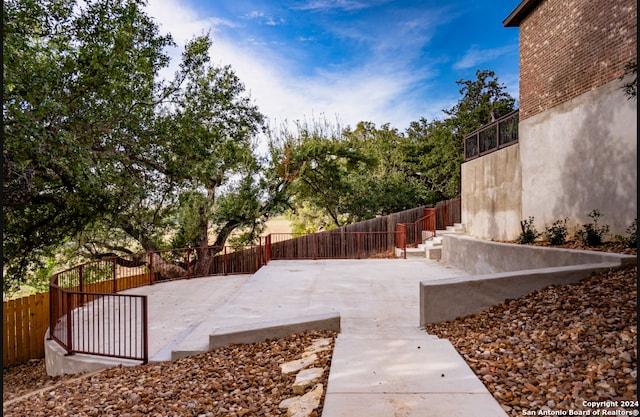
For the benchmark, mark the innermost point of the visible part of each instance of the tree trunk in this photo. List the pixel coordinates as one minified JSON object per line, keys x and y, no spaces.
{"x":165,"y":270}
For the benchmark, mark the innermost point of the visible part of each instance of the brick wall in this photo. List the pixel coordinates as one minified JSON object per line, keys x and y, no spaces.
{"x":570,"y":47}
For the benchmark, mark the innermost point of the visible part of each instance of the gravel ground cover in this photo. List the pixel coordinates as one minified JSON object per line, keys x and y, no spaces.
{"x":233,"y":381}
{"x":557,"y":349}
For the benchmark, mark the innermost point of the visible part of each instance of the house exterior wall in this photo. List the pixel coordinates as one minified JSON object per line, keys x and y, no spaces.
{"x":491,"y":195}
{"x":571,"y":47}
{"x":578,"y":132}
{"x":580,"y":156}
{"x":577,"y":149}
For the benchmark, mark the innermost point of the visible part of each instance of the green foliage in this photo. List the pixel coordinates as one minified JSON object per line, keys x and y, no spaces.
{"x":96,"y":147}
{"x":41,"y":277}
{"x":557,"y":233}
{"x":306,"y":219}
{"x":349,"y":175}
{"x":433,"y":158}
{"x":630,"y":88}
{"x":593,"y":234}
{"x":77,"y":78}
{"x":630,"y":240}
{"x":483,"y":101}
{"x":346,"y":175}
{"x":529,"y":233}
{"x":632,"y":234}
{"x":101,"y":155}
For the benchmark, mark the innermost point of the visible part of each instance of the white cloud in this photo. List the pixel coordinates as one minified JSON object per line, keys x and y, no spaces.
{"x":254,"y":14}
{"x":475,"y":56}
{"x":317,"y":5}
{"x":379,"y":92}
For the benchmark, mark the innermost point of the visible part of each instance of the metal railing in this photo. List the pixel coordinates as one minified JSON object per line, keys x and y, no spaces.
{"x":499,"y":134}
{"x":446,"y":213}
{"x":412,"y":234}
{"x":88,"y":316}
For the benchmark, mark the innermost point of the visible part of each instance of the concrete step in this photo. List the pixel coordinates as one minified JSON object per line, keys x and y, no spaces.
{"x":456,"y":228}
{"x":415,"y":253}
{"x":431,"y":243}
{"x":426,"y":235}
{"x":433,"y":253}
{"x":431,"y":248}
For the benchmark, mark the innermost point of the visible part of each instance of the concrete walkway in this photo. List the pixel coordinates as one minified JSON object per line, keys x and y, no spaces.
{"x":383,"y":363}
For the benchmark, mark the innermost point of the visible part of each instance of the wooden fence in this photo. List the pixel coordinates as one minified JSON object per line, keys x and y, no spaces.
{"x":26,"y":321}
{"x":370,"y":238}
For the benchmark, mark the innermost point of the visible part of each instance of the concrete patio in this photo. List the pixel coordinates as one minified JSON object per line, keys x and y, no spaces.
{"x":382,"y":363}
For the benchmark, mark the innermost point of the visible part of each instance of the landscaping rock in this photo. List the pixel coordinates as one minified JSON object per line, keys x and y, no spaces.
{"x":295,"y":366}
{"x":304,"y":405}
{"x":306,"y":378}
{"x":317,"y":346}
{"x":237,"y":380}
{"x":555,"y":348}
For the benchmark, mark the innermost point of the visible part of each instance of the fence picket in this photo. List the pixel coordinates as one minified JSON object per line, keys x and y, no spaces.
{"x":31,"y":336}
{"x":18,"y":345}
{"x":26,"y":321}
{"x":43,"y":324}
{"x":6,"y":341}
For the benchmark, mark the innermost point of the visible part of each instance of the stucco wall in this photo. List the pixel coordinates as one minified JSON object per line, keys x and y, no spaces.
{"x":580,"y":156}
{"x":491,"y":195}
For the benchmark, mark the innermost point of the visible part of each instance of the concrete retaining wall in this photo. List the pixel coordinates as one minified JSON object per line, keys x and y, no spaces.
{"x":492,"y":194}
{"x":500,"y":271}
{"x":477,"y":256}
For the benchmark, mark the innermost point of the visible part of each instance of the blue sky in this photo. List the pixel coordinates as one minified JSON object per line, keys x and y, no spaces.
{"x":346,"y":61}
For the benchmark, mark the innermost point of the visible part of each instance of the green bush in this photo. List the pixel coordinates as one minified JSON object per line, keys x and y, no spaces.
{"x":529,"y":232}
{"x":631,"y":238}
{"x":557,"y":233}
{"x":592,"y":234}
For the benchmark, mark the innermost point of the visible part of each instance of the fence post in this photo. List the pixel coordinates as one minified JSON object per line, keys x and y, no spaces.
{"x":224,"y":263}
{"x":188,"y":263}
{"x":52,"y":317}
{"x":81,"y":277}
{"x":151,"y":274}
{"x":145,"y":333}
{"x":115,"y":279}
{"x":315,"y":256}
{"x":69,"y":309}
{"x":359,"y":234}
{"x":268,"y":249}
{"x":401,"y":238}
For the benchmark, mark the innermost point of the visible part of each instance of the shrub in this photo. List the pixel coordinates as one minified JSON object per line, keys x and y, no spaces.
{"x":557,"y":233}
{"x":529,"y":232}
{"x":593,"y":234}
{"x":631,"y":239}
